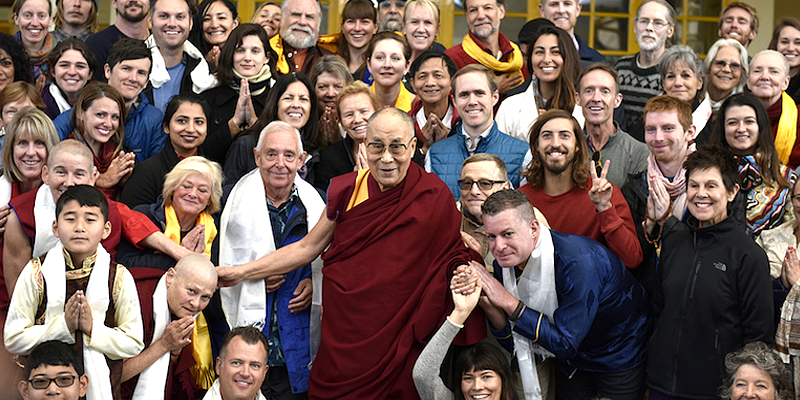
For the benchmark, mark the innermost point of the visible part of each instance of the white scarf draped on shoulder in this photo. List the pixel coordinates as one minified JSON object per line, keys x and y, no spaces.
{"x":202,"y":78}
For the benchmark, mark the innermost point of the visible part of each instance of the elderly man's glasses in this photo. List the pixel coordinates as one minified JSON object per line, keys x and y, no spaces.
{"x":61,"y":381}
{"x":722,"y":64}
{"x":657,"y":23}
{"x":483,"y":184}
{"x":388,"y":4}
{"x":395,"y":149}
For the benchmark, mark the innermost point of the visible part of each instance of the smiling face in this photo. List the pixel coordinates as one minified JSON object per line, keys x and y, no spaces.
{"x":71,"y":72}
{"x":30,"y":156}
{"x":789,"y":45}
{"x":767,"y":78}
{"x":736,"y":25}
{"x":294,"y":105}
{"x":327,"y":88}
{"x":472,"y":199}
{"x":387,"y":63}
{"x":278,"y":160}
{"x":680,"y":81}
{"x":187,"y":129}
{"x":388,"y":169}
{"x":188,"y":293}
{"x":250,"y":57}
{"x":511,"y":240}
{"x":7,"y":69}
{"x":242,"y":371}
{"x":53,"y":392}
{"x":101,"y":121}
{"x":649,"y":37}
{"x":707,"y":197}
{"x":665,"y":136}
{"x":300,"y":24}
{"x":486,"y":384}
{"x":76,"y":12}
{"x":726,"y":69}
{"x":474,"y":101}
{"x":192,"y":196}
{"x":421,"y":27}
{"x":129,"y":77}
{"x":67,"y":170}
{"x":546,"y":58}
{"x":432,"y":81}
{"x":563,"y":13}
{"x":484,"y":16}
{"x":171,"y":21}
{"x":598,"y":97}
{"x":752,"y":383}
{"x":80,"y":229}
{"x":557,"y":146}
{"x":218,"y":22}
{"x":33,"y":20}
{"x":741,"y":129}
{"x":358,"y":32}
{"x":270,"y":18}
{"x":354,"y":112}
{"x":131,"y":10}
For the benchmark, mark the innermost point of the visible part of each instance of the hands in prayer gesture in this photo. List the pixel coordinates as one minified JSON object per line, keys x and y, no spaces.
{"x":245,"y":114}
{"x":118,"y":171}
{"x":790,"y":270}
{"x":433,"y":131}
{"x":195,"y":240}
{"x":78,"y":314}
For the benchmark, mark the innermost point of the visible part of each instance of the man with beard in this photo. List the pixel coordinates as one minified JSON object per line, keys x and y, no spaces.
{"x":76,"y":18}
{"x":130,"y":23}
{"x":390,"y":15}
{"x":296,"y":44}
{"x":738,"y":21}
{"x":484,"y":44}
{"x":638,"y":78}
{"x":571,"y":195}
{"x":178,"y":66}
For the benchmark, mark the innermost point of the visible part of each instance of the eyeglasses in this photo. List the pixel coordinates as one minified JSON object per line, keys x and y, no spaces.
{"x":483,"y":184}
{"x":61,"y":381}
{"x":597,"y":160}
{"x":657,"y":23}
{"x":722,"y":64}
{"x":395,"y":149}
{"x":388,"y":4}
{"x":287,"y":157}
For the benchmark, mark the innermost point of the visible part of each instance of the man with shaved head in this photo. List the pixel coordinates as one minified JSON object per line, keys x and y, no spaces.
{"x":392,"y":233}
{"x":175,"y":329}
{"x":269,"y":208}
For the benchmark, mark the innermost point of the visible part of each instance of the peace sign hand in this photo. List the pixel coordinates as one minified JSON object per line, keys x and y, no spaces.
{"x":601,"y":190}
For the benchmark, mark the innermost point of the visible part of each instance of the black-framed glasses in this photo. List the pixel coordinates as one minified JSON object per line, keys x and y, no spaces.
{"x":483,"y":184}
{"x":395,"y":149}
{"x":61,"y":381}
{"x":397,"y":3}
{"x":597,"y":161}
{"x":722,"y":64}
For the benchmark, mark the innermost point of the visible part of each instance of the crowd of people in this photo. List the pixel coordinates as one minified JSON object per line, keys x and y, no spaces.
{"x":185,"y":195}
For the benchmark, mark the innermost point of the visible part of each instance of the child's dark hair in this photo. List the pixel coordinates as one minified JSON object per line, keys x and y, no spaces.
{"x":481,"y":357}
{"x":52,"y":352}
{"x":86,"y":196}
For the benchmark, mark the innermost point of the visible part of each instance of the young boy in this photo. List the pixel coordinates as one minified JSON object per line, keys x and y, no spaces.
{"x":52,"y":371}
{"x":76,"y":294}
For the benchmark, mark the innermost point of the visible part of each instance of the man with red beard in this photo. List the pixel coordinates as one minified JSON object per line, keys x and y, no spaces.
{"x":296,"y":44}
{"x":131,"y":23}
{"x":571,"y":195}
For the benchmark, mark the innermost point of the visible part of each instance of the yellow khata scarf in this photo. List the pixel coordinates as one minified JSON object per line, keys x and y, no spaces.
{"x":203,"y":370}
{"x":361,"y":192}
{"x":513,"y":65}
{"x":173,"y":230}
{"x":787,"y":128}
{"x":326,"y":41}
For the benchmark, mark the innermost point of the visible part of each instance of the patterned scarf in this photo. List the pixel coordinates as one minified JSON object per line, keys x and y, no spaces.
{"x":766,"y":204}
{"x":39,"y":58}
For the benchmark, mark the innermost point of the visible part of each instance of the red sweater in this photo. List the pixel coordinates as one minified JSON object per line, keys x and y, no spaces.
{"x":573,"y":212}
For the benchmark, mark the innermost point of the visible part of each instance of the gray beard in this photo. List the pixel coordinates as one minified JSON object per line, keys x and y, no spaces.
{"x":299,"y":43}
{"x":390,"y":25}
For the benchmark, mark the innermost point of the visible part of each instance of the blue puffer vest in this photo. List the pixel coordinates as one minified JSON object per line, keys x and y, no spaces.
{"x":447,"y":155}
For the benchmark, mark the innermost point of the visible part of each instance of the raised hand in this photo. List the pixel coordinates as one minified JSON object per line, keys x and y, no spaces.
{"x":118,"y":171}
{"x":302,"y":296}
{"x":465,"y":303}
{"x":601,"y":190}
{"x":178,"y":334}
{"x":361,"y":158}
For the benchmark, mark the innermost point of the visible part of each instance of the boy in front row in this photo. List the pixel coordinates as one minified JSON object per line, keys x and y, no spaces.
{"x":76,"y":294}
{"x":53,"y":371}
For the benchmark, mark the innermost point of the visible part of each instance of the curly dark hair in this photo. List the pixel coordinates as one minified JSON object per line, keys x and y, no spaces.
{"x":22,"y":65}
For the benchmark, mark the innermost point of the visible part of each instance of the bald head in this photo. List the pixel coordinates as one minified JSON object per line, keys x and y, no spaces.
{"x":70,"y":163}
{"x":399,"y":122}
{"x":190,"y":285}
{"x":70,"y":146}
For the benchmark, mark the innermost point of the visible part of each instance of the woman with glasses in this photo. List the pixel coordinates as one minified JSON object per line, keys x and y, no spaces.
{"x":743,"y":127}
{"x":726,"y":68}
{"x":786,"y":40}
